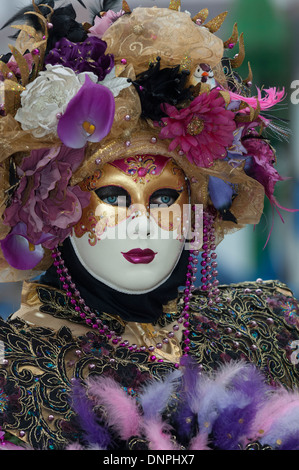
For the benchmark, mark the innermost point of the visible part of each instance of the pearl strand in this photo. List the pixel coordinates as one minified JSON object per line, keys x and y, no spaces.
{"x":93,"y":321}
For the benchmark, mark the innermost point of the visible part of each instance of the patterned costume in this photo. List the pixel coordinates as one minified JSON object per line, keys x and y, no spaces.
{"x":144,"y":105}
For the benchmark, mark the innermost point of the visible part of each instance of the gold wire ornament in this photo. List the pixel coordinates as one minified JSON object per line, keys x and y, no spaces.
{"x":39,"y":43}
{"x":201,"y":16}
{"x":12,"y":96}
{"x":216,"y":23}
{"x":253,"y":114}
{"x":22,"y":64}
{"x":249,"y":79}
{"x":125,"y":7}
{"x":233,"y":39}
{"x":237,"y":61}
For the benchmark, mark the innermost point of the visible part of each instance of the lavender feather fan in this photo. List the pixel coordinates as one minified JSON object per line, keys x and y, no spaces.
{"x":228,"y":408}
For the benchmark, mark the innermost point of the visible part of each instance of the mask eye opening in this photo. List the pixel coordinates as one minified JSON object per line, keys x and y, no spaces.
{"x":113,"y":195}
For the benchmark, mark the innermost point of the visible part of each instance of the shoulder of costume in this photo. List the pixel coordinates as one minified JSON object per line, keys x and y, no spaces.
{"x":271,"y":297}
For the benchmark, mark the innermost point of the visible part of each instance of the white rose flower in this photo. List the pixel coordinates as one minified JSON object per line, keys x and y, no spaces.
{"x":47,"y":96}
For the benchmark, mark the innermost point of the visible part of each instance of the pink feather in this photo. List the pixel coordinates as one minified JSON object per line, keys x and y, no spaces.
{"x":281,"y":403}
{"x":122,"y":411}
{"x":77,"y":446}
{"x":158,"y":435}
{"x":272,"y":97}
{"x":74,"y":446}
{"x":199,"y":442}
{"x":10,"y":446}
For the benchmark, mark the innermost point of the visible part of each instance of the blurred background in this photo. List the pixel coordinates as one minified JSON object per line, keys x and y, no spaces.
{"x":271,"y":40}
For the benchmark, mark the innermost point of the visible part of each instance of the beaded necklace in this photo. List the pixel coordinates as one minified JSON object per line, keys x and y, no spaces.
{"x":209,"y":285}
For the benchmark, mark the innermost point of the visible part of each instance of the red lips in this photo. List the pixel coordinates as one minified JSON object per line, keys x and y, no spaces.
{"x":138,"y":256}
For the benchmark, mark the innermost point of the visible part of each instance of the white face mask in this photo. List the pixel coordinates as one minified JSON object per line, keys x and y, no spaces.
{"x":121,"y":240}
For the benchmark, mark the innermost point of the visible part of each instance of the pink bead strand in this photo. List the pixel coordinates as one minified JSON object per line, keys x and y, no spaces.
{"x":93,"y":321}
{"x":209,"y":264}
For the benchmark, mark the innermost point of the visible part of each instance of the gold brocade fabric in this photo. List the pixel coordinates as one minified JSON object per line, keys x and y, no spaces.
{"x":147,"y":335}
{"x":257,"y":322}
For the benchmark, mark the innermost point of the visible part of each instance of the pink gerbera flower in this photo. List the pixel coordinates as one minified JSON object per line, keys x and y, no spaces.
{"x":203,"y":131}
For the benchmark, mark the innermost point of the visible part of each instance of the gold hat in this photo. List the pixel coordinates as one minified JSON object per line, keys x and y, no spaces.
{"x":150,"y":48}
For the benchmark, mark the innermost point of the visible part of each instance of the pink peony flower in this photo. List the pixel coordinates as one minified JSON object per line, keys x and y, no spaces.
{"x":44,"y":201}
{"x":101,"y":24}
{"x":203,"y":131}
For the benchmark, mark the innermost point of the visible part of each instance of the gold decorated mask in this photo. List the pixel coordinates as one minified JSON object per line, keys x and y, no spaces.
{"x":140,"y":185}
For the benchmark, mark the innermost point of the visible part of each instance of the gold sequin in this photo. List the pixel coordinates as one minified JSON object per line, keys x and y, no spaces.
{"x":216,"y":23}
{"x":186,"y":63}
{"x":125,"y":7}
{"x":201,"y":15}
{"x":175,"y":5}
{"x":239,"y":58}
{"x":233,"y":38}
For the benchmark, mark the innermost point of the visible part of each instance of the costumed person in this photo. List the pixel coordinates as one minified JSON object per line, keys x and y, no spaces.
{"x":122,"y":142}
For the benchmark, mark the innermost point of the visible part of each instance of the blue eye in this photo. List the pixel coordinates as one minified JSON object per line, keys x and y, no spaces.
{"x":164,"y":196}
{"x":114,"y":195}
{"x":165,"y":199}
{"x":115,"y":200}
{"x":111,"y":199}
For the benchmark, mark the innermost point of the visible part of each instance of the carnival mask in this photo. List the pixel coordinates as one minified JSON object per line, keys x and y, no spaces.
{"x":132,"y":234}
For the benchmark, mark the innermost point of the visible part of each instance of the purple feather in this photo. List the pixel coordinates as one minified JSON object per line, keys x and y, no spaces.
{"x":190,"y":376}
{"x":234,"y":421}
{"x":251,"y":383}
{"x":292,"y":443}
{"x":156,"y":394}
{"x":93,"y":432}
{"x":214,"y":393}
{"x":231,"y":424}
{"x":185,"y":416}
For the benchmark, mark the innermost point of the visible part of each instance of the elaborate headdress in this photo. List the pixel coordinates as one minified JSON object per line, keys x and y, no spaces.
{"x":148,"y":81}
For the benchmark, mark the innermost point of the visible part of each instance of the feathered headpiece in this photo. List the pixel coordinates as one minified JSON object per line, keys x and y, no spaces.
{"x":149,"y":81}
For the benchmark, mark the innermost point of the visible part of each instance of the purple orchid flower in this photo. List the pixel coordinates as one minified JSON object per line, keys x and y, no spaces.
{"x":19,"y":252}
{"x":88,"y":116}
